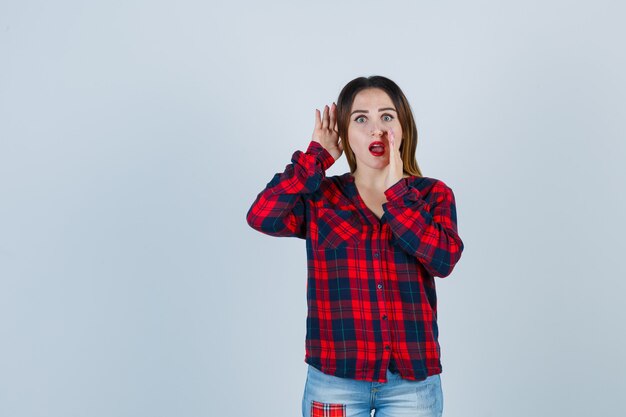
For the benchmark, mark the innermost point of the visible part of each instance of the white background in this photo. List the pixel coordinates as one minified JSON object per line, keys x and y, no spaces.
{"x":134,"y":135}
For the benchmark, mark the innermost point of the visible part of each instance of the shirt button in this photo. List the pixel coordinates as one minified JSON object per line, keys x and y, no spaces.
{"x":387,"y":347}
{"x":384,"y":317}
{"x":376,"y":255}
{"x":380,"y":286}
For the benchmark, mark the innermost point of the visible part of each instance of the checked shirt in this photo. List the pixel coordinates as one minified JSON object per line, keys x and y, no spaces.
{"x":370,"y":287}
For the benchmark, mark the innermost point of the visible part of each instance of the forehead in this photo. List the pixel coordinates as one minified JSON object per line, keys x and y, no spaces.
{"x":371,"y":98}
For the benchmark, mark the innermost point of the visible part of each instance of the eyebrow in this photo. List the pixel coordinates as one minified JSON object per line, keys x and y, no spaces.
{"x":366,"y":111}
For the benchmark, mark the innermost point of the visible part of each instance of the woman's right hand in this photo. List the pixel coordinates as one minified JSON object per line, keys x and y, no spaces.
{"x":325,"y":132}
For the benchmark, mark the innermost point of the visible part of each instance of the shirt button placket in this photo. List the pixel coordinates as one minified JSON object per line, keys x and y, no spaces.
{"x":379,"y":275}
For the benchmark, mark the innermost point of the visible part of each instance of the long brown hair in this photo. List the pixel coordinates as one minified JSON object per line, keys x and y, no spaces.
{"x":405,"y":117}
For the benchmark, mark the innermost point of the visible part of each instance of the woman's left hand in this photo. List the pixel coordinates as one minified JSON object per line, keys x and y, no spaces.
{"x":395,"y":167}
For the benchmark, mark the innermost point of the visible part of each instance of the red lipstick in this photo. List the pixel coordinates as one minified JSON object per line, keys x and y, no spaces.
{"x":377,"y":148}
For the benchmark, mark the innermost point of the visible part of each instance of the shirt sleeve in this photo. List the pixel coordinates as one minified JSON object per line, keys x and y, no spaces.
{"x":426,"y":230}
{"x":279,"y":210}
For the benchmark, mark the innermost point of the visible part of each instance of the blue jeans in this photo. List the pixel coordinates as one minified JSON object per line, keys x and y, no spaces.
{"x":396,"y":398}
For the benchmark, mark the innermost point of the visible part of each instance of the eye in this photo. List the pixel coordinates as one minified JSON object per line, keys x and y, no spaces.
{"x":387,"y":117}
{"x":360,"y":119}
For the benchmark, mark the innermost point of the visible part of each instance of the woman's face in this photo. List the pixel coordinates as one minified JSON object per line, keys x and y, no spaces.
{"x":371,"y":117}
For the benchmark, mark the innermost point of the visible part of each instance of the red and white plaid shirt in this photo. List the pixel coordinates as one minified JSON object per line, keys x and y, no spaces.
{"x":370,"y":289}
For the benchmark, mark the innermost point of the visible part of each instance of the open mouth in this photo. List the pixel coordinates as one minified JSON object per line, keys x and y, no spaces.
{"x":377,"y":148}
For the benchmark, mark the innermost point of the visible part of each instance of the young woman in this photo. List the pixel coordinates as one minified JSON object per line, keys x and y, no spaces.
{"x":375,"y":238}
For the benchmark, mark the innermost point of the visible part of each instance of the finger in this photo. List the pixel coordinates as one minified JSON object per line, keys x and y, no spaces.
{"x":333,"y":113}
{"x":318,"y":121}
{"x":325,"y":118}
{"x":392,"y":149}
{"x":397,"y":143}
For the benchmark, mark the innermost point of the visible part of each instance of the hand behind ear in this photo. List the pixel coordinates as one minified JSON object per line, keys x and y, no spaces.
{"x":325,"y":131}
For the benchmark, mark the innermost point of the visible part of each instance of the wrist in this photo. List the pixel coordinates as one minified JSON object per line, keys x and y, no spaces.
{"x":396,"y":189}
{"x":321,"y":154}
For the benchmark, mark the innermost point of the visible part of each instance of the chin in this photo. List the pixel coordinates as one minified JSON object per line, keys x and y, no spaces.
{"x":380,"y":166}
{"x":373,"y":162}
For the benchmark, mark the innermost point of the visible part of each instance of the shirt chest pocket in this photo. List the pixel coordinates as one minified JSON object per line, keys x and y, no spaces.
{"x":337,"y":228}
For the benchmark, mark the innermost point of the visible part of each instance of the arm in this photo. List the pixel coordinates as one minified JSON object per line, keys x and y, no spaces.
{"x":279,"y":210}
{"x":426,"y":231}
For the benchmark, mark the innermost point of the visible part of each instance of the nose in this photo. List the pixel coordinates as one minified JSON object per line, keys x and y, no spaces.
{"x":377,"y":131}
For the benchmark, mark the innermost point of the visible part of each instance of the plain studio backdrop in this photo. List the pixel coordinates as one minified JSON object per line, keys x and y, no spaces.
{"x":135,"y":135}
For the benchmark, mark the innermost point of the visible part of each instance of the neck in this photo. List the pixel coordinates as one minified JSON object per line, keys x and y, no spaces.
{"x":370,"y":178}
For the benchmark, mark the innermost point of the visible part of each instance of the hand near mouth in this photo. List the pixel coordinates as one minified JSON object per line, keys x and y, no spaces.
{"x":325,"y":132}
{"x":395,"y":167}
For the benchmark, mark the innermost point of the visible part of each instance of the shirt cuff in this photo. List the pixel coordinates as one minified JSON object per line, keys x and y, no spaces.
{"x":321,"y":154}
{"x":398,"y":190}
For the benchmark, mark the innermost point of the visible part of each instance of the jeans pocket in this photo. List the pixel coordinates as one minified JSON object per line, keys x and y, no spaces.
{"x":430,"y":396}
{"x":319,"y":409}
